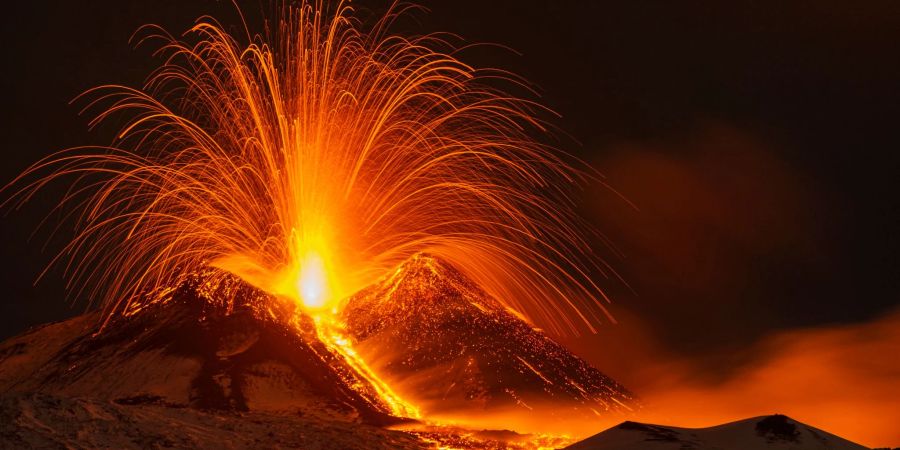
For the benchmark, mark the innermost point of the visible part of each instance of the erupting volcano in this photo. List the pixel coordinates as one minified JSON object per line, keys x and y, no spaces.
{"x":214,"y":344}
{"x":256,"y":187}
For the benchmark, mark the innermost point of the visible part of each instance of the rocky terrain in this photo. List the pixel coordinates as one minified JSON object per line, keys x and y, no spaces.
{"x":449,"y":345}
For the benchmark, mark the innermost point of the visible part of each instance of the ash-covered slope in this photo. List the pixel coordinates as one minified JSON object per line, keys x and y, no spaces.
{"x":447,"y":345}
{"x":189,"y":351}
{"x":190,"y":372}
{"x":44,"y":421}
{"x":774,"y":432}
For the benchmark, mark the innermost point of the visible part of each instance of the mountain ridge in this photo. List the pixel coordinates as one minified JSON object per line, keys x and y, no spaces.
{"x":773,"y":432}
{"x":454,"y":345}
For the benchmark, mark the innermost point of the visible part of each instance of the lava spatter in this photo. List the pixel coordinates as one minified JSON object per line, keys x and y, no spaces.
{"x":448,"y":344}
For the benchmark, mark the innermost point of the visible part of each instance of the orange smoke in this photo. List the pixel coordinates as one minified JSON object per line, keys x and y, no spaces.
{"x":842,"y":379}
{"x":726,"y":232}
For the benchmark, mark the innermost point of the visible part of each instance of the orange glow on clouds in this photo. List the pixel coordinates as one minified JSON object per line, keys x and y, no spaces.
{"x":843,"y":379}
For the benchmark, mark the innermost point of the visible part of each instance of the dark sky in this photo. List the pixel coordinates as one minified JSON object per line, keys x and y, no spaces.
{"x":757,"y":139}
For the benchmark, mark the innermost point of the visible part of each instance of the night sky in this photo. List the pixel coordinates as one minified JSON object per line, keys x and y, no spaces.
{"x":758,"y":142}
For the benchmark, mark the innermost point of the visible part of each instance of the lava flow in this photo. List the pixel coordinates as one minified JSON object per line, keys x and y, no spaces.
{"x":331,"y":334}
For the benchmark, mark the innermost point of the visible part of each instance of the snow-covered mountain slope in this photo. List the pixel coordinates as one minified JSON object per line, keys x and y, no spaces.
{"x":44,"y":421}
{"x":776,"y":432}
{"x":186,"y":372}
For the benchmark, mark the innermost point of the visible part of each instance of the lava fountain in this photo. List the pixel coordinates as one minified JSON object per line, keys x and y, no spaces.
{"x":310,"y":161}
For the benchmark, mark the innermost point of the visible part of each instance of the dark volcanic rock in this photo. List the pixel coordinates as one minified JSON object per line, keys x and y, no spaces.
{"x":37,"y":420}
{"x":182,"y":350}
{"x":448,"y":344}
{"x":778,"y":428}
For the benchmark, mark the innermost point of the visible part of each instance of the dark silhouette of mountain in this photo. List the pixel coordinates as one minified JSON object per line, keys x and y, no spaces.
{"x":776,"y":432}
{"x":448,"y":344}
{"x":189,"y":372}
{"x":186,"y":350}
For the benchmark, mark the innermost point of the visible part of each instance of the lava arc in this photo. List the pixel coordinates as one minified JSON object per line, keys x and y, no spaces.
{"x":314,"y":159}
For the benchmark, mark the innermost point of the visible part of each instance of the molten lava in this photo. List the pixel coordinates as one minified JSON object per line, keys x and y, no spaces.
{"x":330,"y":332}
{"x":312,"y":284}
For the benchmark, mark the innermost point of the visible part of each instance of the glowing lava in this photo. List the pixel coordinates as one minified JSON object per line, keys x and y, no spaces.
{"x":314,"y":295}
{"x":312,"y":282}
{"x":331,"y":332}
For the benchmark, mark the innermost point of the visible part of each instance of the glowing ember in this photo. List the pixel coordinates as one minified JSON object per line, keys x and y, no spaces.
{"x":460,"y":356}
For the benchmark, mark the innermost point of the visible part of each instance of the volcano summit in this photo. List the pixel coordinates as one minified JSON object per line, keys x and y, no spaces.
{"x":449,"y":345}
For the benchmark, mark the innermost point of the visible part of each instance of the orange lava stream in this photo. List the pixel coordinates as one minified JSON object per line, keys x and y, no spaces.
{"x":329,"y":332}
